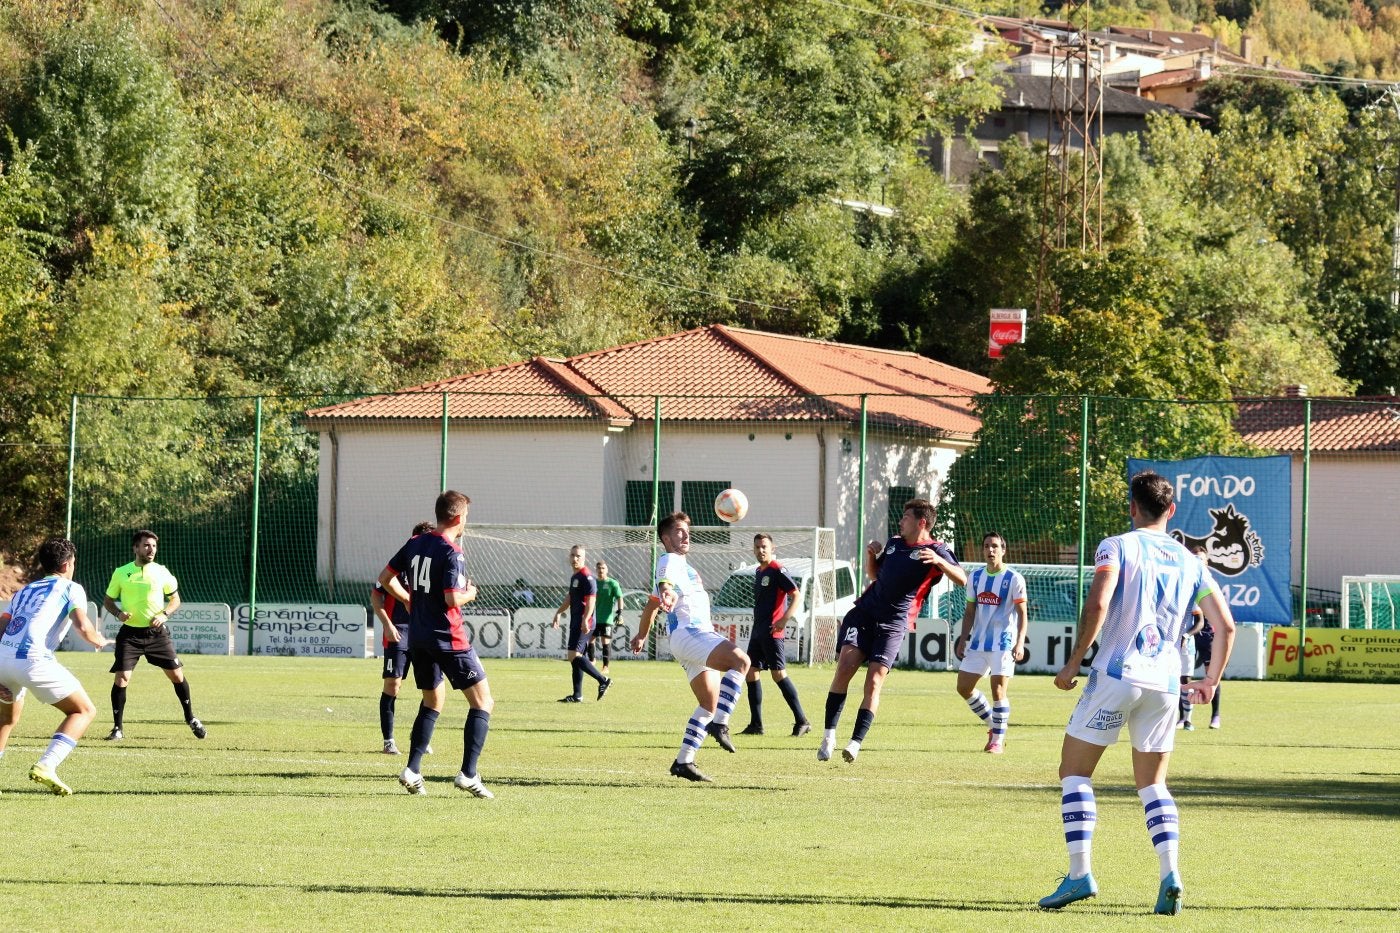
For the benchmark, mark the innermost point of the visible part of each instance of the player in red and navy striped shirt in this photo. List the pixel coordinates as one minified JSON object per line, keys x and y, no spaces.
{"x":774,"y":604}
{"x":902,"y":570}
{"x":437,"y":589}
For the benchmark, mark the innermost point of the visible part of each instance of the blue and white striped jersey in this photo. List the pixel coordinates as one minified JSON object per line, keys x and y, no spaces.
{"x":691,"y":608}
{"x":39,"y":617}
{"x":996,"y":596}
{"x":1158,"y":583}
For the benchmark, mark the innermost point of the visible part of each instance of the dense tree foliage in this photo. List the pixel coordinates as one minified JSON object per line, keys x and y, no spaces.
{"x":345,"y":196}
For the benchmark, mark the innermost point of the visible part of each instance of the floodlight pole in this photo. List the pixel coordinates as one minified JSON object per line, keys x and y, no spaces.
{"x":860,"y":486}
{"x":1083,"y":504}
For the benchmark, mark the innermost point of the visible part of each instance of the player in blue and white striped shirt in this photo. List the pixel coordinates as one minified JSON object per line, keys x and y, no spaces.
{"x":34,"y":624}
{"x":1145,"y":584}
{"x":993,"y":638}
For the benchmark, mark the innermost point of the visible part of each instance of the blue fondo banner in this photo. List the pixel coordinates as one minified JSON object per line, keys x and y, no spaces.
{"x":1240,"y":510}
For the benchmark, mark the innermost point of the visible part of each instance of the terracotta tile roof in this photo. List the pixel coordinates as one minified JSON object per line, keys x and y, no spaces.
{"x":710,"y":373}
{"x":1337,"y":424}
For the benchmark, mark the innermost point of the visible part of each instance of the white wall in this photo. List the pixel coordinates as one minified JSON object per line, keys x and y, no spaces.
{"x":1354,"y":519}
{"x":570,"y":474}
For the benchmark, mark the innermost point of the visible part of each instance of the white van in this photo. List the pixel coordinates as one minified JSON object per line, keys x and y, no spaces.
{"x":824,"y":601}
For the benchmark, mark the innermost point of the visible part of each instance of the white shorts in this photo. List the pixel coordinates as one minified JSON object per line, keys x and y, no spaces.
{"x":1188,"y":654}
{"x":50,"y":681}
{"x":982,"y":663}
{"x":693,"y":649}
{"x":1107,"y":703}
{"x":7,"y":698}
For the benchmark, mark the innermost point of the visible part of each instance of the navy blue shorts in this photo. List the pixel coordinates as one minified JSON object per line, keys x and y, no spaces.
{"x":766,"y":652}
{"x":880,"y":642}
{"x":396,"y":656}
{"x":578,"y":638}
{"x":462,"y":668}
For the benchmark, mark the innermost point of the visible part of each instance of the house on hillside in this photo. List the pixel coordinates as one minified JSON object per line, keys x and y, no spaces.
{"x":571,"y":442}
{"x":1354,"y":486}
{"x":1027,"y":113}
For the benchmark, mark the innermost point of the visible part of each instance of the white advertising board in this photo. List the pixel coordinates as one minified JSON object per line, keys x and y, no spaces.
{"x":310,"y":630}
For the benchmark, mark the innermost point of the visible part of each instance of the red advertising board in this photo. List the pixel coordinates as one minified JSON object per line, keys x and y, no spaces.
{"x":1008,"y":325}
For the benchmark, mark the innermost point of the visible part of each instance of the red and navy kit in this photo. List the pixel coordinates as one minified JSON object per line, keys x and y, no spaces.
{"x":886,"y":611}
{"x":773,"y":589}
{"x":903,"y":582}
{"x":581,"y":586}
{"x":395,"y":652}
{"x":432,"y":567}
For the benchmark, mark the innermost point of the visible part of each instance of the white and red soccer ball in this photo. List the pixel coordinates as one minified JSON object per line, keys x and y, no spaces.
{"x":731,"y":505}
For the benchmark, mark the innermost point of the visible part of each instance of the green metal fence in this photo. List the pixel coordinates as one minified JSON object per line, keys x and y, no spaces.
{"x":302,"y":499}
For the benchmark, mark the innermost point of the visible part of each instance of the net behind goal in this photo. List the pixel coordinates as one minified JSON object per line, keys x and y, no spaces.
{"x":1370,"y":601}
{"x":522,"y":573}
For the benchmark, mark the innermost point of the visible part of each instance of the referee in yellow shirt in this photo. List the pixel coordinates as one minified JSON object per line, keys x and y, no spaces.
{"x":143,"y":594}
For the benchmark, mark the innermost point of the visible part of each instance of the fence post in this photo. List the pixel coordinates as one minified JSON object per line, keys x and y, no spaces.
{"x":655,"y":503}
{"x":72,"y":456}
{"x":1083,"y":504}
{"x":442,"y":473}
{"x":257,"y":504}
{"x":1303,"y":585}
{"x":860,"y":488}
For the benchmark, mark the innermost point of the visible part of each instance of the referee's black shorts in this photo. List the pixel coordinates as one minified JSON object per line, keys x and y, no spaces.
{"x":153,"y":644}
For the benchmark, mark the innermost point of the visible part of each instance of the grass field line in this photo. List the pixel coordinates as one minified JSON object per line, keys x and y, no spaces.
{"x":830,"y":775}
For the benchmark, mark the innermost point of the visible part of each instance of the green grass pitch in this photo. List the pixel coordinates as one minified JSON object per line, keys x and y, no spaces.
{"x":287,"y":817}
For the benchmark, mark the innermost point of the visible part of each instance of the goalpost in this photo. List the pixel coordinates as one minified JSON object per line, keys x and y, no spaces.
{"x":1369,"y":601}
{"x":522,"y":576}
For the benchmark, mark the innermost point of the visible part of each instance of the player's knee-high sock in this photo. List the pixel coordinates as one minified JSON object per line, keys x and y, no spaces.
{"x":586,"y":666}
{"x":474,"y":739}
{"x":835,"y":702}
{"x":386,"y":715}
{"x":59,"y":747}
{"x":589,"y":650}
{"x":978,"y":704}
{"x":1079,"y":813}
{"x":1001,"y":715}
{"x":118,"y":705}
{"x":730,"y":686}
{"x":789,"y":692}
{"x":1215,"y":703}
{"x":182,"y":691}
{"x":864,"y":719}
{"x":607,"y":651}
{"x":1160,"y":808}
{"x":694,"y":734}
{"x":578,"y":676}
{"x":756,"y":704}
{"x":421,"y":737}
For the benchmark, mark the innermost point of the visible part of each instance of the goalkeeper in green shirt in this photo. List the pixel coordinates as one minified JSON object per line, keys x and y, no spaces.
{"x":607,"y":611}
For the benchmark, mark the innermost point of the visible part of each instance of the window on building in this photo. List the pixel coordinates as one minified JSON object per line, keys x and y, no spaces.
{"x":698,"y":501}
{"x":895,"y":510}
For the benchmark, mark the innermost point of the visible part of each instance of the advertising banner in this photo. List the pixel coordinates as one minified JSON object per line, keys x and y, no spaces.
{"x":1008,"y":325}
{"x":196,"y":628}
{"x":315,"y":630}
{"x":532,"y":637}
{"x":1347,"y":653}
{"x":1048,"y":645}
{"x":1240,"y":510}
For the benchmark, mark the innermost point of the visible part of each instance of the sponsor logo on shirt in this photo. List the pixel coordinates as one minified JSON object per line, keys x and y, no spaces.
{"x":1150,"y":641}
{"x":988,"y":599}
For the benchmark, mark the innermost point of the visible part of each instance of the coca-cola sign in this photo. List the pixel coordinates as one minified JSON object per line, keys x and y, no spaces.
{"x":1008,"y":325}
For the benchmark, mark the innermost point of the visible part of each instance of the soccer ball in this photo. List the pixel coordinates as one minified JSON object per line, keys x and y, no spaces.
{"x":731,"y":505}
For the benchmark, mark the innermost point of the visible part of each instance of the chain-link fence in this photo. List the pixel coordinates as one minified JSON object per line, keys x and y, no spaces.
{"x":303,"y":499}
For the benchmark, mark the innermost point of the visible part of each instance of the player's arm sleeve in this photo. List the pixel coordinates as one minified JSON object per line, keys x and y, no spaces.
{"x":114,"y":586}
{"x":1109,"y":555}
{"x":785,"y":582}
{"x":1018,"y":589}
{"x":172,"y":585}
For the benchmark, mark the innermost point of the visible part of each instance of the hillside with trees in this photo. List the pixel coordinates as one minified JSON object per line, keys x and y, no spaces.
{"x":338,"y":196}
